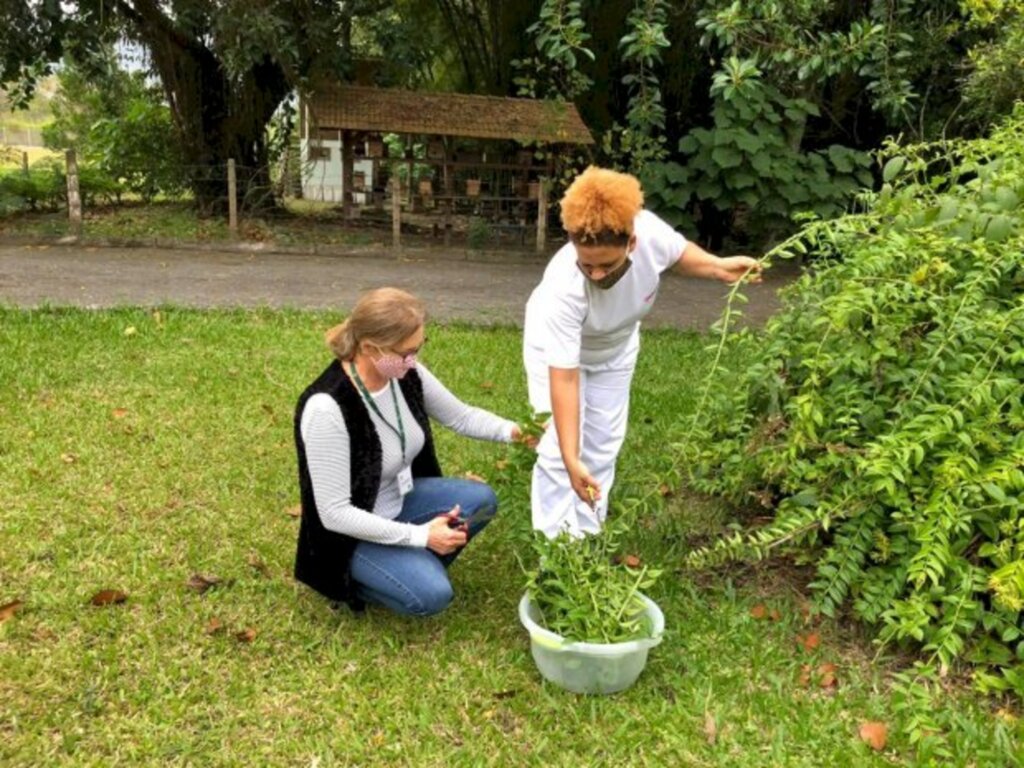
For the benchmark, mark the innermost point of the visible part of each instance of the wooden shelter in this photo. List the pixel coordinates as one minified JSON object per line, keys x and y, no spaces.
{"x":471,"y":149}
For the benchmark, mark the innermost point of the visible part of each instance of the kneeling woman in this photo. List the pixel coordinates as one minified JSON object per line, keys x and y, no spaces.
{"x":379,"y":523}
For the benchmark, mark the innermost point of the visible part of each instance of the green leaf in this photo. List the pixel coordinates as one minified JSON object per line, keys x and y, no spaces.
{"x":893,"y":168}
{"x":740,"y":180}
{"x":999,"y":228}
{"x":749,"y":142}
{"x":688,"y":144}
{"x":841,"y":158}
{"x":994,"y":491}
{"x":726,"y":157}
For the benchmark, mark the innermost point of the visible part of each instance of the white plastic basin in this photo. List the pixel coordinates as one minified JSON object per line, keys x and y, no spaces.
{"x":590,"y":667}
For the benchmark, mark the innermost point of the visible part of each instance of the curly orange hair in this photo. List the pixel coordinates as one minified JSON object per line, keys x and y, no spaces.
{"x":599,"y":206}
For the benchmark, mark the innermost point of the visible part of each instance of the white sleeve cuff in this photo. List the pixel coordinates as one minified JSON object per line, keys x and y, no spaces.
{"x":419,"y":535}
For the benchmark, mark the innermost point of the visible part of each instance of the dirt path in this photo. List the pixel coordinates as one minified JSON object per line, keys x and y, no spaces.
{"x":488,"y":292}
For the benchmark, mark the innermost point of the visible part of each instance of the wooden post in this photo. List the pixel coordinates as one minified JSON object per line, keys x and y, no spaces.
{"x":74,"y":194}
{"x":348,"y":165}
{"x":24,"y":164}
{"x":447,"y":220}
{"x":411,"y":185}
{"x":396,"y":211}
{"x":232,"y":198}
{"x":542,"y":215}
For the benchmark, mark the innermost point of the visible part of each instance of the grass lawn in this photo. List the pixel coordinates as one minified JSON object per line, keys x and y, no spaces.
{"x":300,"y":223}
{"x":178,"y":221}
{"x":140,"y":448}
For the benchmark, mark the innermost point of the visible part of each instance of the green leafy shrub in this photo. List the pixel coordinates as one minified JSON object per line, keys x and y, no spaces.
{"x":43,"y":187}
{"x":749,"y":163}
{"x":121,"y":129}
{"x":880,"y":416}
{"x":584,"y":592}
{"x":478,"y":233}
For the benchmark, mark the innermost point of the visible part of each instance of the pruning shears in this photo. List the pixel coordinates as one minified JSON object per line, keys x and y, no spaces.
{"x":481,"y":515}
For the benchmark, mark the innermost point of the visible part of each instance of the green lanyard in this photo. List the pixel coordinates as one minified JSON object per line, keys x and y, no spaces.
{"x":373,"y":406}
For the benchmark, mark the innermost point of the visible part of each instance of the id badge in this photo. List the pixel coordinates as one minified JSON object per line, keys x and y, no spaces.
{"x":405,"y":481}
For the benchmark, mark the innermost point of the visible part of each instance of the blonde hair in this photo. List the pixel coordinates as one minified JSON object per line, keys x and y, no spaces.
{"x":383,"y":316}
{"x":599,"y":206}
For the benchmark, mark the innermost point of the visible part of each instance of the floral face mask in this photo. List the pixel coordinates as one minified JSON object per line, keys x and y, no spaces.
{"x":392,"y":366}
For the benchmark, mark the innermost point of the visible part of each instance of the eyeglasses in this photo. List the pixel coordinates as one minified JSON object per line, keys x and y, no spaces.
{"x":408,"y":356}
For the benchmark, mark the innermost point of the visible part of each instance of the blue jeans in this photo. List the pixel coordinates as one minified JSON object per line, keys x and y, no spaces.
{"x":410,"y":580}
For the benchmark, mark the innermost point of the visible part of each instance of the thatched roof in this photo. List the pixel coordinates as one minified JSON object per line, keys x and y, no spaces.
{"x":390,"y":110}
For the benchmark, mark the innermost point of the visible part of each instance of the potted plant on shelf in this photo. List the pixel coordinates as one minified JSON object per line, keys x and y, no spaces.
{"x":590,"y":623}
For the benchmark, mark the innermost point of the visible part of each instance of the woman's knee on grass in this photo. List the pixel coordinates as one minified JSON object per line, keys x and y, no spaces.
{"x":431,"y":596}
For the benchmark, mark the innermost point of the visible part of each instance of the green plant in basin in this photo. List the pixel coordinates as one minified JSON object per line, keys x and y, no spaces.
{"x":585,"y":592}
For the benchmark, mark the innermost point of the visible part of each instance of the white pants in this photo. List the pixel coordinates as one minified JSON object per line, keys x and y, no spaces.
{"x":604,"y":413}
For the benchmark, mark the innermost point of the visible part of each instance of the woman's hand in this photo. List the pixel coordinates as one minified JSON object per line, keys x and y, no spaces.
{"x":441,"y":537}
{"x":518,"y":436}
{"x":586,"y":487}
{"x":729,"y":269}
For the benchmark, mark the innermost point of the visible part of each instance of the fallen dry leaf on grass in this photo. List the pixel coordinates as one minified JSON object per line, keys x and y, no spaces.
{"x":119,"y":413}
{"x":7,"y":611}
{"x":474,"y":477}
{"x":1006,"y":715}
{"x":805,"y":676}
{"x":827,"y":675}
{"x":809,"y":642}
{"x":500,"y":464}
{"x":201,"y":583}
{"x":759,"y":612}
{"x":247,"y":635}
{"x":68,"y":458}
{"x":214,"y":626}
{"x":710,"y":728}
{"x":257,"y":564}
{"x":486,"y":385}
{"x":875,"y":734}
{"x":295,"y":511}
{"x":665,"y":491}
{"x":631,"y":561}
{"x":108,"y":597}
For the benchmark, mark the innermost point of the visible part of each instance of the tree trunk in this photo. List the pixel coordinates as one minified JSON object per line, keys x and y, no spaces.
{"x":217,"y":117}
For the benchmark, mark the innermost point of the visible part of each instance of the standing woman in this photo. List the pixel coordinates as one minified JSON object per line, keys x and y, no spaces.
{"x":379,"y":523}
{"x":582,"y":335}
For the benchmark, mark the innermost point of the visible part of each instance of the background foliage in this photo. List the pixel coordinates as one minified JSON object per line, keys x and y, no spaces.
{"x":114,"y":120}
{"x":718,"y":104}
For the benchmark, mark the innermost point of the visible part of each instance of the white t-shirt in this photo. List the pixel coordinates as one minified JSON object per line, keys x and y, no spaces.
{"x":570,"y":321}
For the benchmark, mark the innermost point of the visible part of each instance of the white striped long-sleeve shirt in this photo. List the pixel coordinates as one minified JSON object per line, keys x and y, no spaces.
{"x":328,"y":455}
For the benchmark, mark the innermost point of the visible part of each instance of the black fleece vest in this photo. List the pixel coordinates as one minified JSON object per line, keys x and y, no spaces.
{"x":323,"y":557}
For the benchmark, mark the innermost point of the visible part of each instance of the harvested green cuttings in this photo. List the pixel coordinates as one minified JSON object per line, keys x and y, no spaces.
{"x":587,"y":594}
